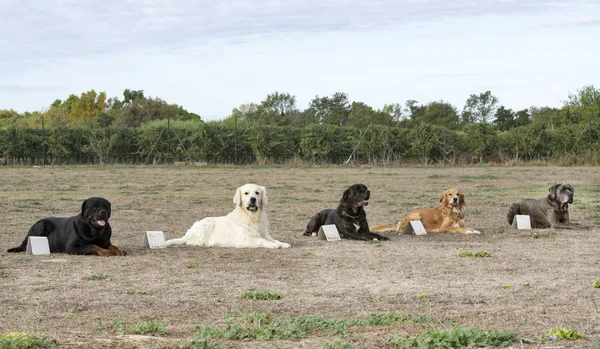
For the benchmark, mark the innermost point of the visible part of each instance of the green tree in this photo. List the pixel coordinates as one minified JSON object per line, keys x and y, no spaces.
{"x":505,"y":118}
{"x":439,"y":113}
{"x":333,"y":110}
{"x":394,"y":110}
{"x":88,"y":107}
{"x":480,"y":108}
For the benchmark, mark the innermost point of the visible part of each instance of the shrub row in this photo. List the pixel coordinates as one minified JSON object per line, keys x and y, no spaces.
{"x":219,"y":143}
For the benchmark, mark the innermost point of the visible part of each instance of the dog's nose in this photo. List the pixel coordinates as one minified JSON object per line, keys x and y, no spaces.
{"x":252,"y":199}
{"x":102,"y":212}
{"x":455,"y":199}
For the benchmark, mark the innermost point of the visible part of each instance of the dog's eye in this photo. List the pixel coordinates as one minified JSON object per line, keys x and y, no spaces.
{"x":257,"y":193}
{"x":246,"y":193}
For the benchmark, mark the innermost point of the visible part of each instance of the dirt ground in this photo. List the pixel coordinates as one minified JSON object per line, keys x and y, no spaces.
{"x":532,"y":282}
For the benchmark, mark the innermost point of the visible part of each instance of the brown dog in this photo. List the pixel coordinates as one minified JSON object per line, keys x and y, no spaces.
{"x":447,"y":217}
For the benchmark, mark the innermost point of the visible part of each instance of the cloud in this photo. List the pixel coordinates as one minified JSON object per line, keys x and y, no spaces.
{"x":63,"y":28}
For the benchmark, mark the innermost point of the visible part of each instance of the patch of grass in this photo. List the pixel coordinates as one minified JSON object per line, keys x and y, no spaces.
{"x":25,"y":340}
{"x":475,"y":212}
{"x":457,"y":338}
{"x":307,"y":254}
{"x":3,"y":274}
{"x":392,"y":318}
{"x":44,"y":288}
{"x":203,"y":343}
{"x":96,"y":277}
{"x":192,"y":266}
{"x":596,"y":284}
{"x":563,"y":333}
{"x":422,"y":295}
{"x":435,"y":176}
{"x":506,"y":287}
{"x":174,"y":282}
{"x":262,"y":327}
{"x":140,"y":327}
{"x":24,"y":259}
{"x":259,"y":295}
{"x":132,"y":292}
{"x":337,"y":344}
{"x":468,"y":254}
{"x":484,"y":176}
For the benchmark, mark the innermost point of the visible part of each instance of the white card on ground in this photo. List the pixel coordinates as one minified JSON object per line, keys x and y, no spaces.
{"x":154,"y":239}
{"x":415,"y":227}
{"x":328,"y":232}
{"x":38,"y":245}
{"x":522,"y":221}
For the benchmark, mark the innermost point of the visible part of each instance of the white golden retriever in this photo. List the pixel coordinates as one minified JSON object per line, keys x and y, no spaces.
{"x":246,"y":226}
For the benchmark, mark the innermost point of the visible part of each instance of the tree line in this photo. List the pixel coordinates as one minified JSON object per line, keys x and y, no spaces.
{"x":135,"y":129}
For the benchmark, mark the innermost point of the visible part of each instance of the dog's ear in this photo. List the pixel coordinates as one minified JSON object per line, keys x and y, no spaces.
{"x":461,"y":197}
{"x":265,"y":198}
{"x":443,"y":196}
{"x":570,"y":187}
{"x":552,"y":191}
{"x":83,"y":207}
{"x":237,"y":198}
{"x":346,"y":194}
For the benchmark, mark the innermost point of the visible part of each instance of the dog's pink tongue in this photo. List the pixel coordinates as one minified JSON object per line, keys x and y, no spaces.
{"x":101,"y":223}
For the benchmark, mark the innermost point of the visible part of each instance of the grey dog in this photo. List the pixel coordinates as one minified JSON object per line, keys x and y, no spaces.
{"x":549,"y":212}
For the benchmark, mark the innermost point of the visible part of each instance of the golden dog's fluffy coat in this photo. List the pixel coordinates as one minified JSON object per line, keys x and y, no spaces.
{"x":246,"y":226}
{"x":447,"y":217}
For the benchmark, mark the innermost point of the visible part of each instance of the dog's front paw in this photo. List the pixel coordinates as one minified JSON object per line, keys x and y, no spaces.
{"x":104,"y":253}
{"x":472,"y":231}
{"x":120,"y":253}
{"x":383,"y":238}
{"x":284,"y":245}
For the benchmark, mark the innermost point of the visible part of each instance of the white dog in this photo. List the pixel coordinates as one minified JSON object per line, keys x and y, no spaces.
{"x":246,"y":226}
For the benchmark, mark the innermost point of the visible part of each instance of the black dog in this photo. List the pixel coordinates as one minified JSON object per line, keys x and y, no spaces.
{"x":86,"y":233}
{"x":349,"y":217}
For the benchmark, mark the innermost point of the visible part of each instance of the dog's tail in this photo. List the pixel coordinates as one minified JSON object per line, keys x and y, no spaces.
{"x":380,"y":228}
{"x":20,"y":248}
{"x":513,"y":210}
{"x":180,"y":241}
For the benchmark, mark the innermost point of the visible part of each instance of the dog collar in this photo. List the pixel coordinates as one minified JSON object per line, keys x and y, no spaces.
{"x":347,"y":215}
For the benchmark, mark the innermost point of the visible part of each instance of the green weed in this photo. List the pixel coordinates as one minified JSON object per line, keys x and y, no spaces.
{"x":262,"y":327}
{"x":480,"y":254}
{"x":259,"y":295}
{"x":563,"y":333}
{"x":456,"y":338}
{"x":96,"y":277}
{"x":25,"y":340}
{"x":140,"y":327}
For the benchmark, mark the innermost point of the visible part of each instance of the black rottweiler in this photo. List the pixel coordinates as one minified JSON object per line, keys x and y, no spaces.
{"x":349,"y":217}
{"x":86,"y":233}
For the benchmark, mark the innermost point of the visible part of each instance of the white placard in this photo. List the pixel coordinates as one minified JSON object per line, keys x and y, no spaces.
{"x":328,"y":232}
{"x":522,"y":221}
{"x":38,"y":245}
{"x":154,"y":239}
{"x":415,"y":227}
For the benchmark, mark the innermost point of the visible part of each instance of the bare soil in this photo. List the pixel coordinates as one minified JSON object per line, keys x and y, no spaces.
{"x":532,"y":282}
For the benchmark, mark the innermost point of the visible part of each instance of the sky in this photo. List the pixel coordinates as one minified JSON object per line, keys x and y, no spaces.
{"x":212,"y":56}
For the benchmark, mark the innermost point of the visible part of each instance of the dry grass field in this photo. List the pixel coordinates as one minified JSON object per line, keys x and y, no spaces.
{"x":346,"y":294}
